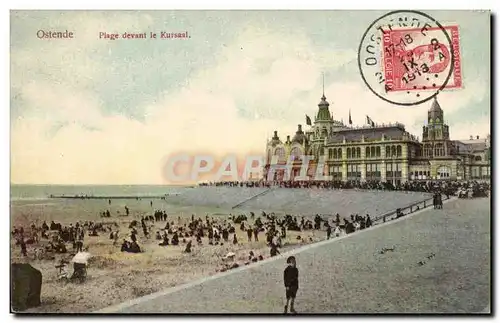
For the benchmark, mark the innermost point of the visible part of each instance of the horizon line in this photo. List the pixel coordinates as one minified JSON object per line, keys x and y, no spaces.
{"x":91,"y":184}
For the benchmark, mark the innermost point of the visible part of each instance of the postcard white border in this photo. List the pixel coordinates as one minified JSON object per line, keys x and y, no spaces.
{"x":182,"y":4}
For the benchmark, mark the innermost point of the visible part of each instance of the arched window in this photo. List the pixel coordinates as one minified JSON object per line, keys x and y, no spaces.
{"x":333,"y":154}
{"x":387,"y":151}
{"x":393,"y":151}
{"x":367,"y":152}
{"x":339,"y":153}
{"x":399,"y":151}
{"x":372,"y":151}
{"x":348,"y":153}
{"x":296,"y":153}
{"x":378,"y":151}
{"x":358,"y":152}
{"x":443,"y":172}
{"x":477,"y":158}
{"x":280,"y":152}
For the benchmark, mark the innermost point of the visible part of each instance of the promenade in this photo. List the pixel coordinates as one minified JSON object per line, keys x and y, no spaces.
{"x":350,"y":275}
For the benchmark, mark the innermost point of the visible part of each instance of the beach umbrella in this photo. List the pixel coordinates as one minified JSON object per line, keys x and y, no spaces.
{"x":81,"y":258}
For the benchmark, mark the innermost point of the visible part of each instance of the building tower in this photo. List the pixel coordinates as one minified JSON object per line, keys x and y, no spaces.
{"x":323,"y":127}
{"x":436,"y":134}
{"x":437,"y":146}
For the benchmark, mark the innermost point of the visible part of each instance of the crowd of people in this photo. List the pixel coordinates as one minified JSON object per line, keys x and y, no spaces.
{"x":219,"y":231}
{"x":446,"y":187}
{"x":57,"y":236}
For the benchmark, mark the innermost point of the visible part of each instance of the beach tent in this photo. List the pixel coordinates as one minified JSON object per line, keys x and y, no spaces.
{"x":26,"y":286}
{"x":230,"y":256}
{"x":81,"y":258}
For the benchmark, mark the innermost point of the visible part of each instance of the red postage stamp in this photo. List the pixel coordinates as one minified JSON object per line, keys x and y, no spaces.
{"x":417,"y":59}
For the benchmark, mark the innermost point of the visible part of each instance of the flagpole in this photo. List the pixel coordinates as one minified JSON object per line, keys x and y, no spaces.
{"x":323,"y":83}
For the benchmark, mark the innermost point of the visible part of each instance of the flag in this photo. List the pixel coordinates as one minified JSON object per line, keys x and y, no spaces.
{"x":370,"y":121}
{"x":350,"y":120}
{"x":308,"y":120}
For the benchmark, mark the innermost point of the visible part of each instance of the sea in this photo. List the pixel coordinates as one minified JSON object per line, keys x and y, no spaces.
{"x":42,"y":192}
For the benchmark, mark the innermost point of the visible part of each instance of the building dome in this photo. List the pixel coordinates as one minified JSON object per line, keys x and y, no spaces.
{"x":323,"y":112}
{"x":299,"y":137}
{"x":275,"y":140}
{"x":323,"y":102}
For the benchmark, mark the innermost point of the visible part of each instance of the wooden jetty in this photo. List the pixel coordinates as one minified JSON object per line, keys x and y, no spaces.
{"x":124,"y":197}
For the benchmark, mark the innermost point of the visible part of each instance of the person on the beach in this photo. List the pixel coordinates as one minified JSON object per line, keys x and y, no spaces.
{"x":23,"y":247}
{"x":115,"y":238}
{"x":337,"y":231}
{"x":291,"y":280}
{"x":274,"y":249}
{"x":369,"y":221}
{"x":79,"y":245}
{"x":125,"y":246}
{"x":328,"y":232}
{"x":210,"y":236}
{"x":175,"y":239}
{"x":188,"y":246}
{"x":256,"y":233}
{"x":337,"y":219}
{"x":249,"y":234}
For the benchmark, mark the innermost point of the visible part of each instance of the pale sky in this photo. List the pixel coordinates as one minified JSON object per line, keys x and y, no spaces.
{"x":95,"y":111}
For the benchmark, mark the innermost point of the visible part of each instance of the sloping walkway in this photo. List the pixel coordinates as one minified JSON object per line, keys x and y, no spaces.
{"x":252,"y":197}
{"x":350,"y":275}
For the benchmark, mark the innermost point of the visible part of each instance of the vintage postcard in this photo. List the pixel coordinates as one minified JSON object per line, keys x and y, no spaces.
{"x":233,"y":162}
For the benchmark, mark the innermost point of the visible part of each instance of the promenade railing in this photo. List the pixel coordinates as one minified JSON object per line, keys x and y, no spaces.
{"x":413,"y":207}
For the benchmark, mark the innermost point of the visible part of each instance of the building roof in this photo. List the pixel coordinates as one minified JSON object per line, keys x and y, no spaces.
{"x":473,"y":145}
{"x":435,"y":106}
{"x":393,"y":132}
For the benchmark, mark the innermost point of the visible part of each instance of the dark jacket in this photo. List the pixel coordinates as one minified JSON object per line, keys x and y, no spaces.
{"x":291,"y":277}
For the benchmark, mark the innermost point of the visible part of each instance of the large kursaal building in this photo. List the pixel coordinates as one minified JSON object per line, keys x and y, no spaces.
{"x":384,"y":152}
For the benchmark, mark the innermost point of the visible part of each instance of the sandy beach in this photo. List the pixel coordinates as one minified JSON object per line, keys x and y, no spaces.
{"x":115,"y":276}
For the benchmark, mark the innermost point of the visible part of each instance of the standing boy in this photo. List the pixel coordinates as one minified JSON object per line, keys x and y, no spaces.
{"x":291,"y":278}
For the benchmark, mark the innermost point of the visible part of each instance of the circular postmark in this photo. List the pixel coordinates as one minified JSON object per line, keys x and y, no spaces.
{"x":406,"y":57}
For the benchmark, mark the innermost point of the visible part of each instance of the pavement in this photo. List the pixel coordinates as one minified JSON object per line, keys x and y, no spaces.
{"x":440,"y":264}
